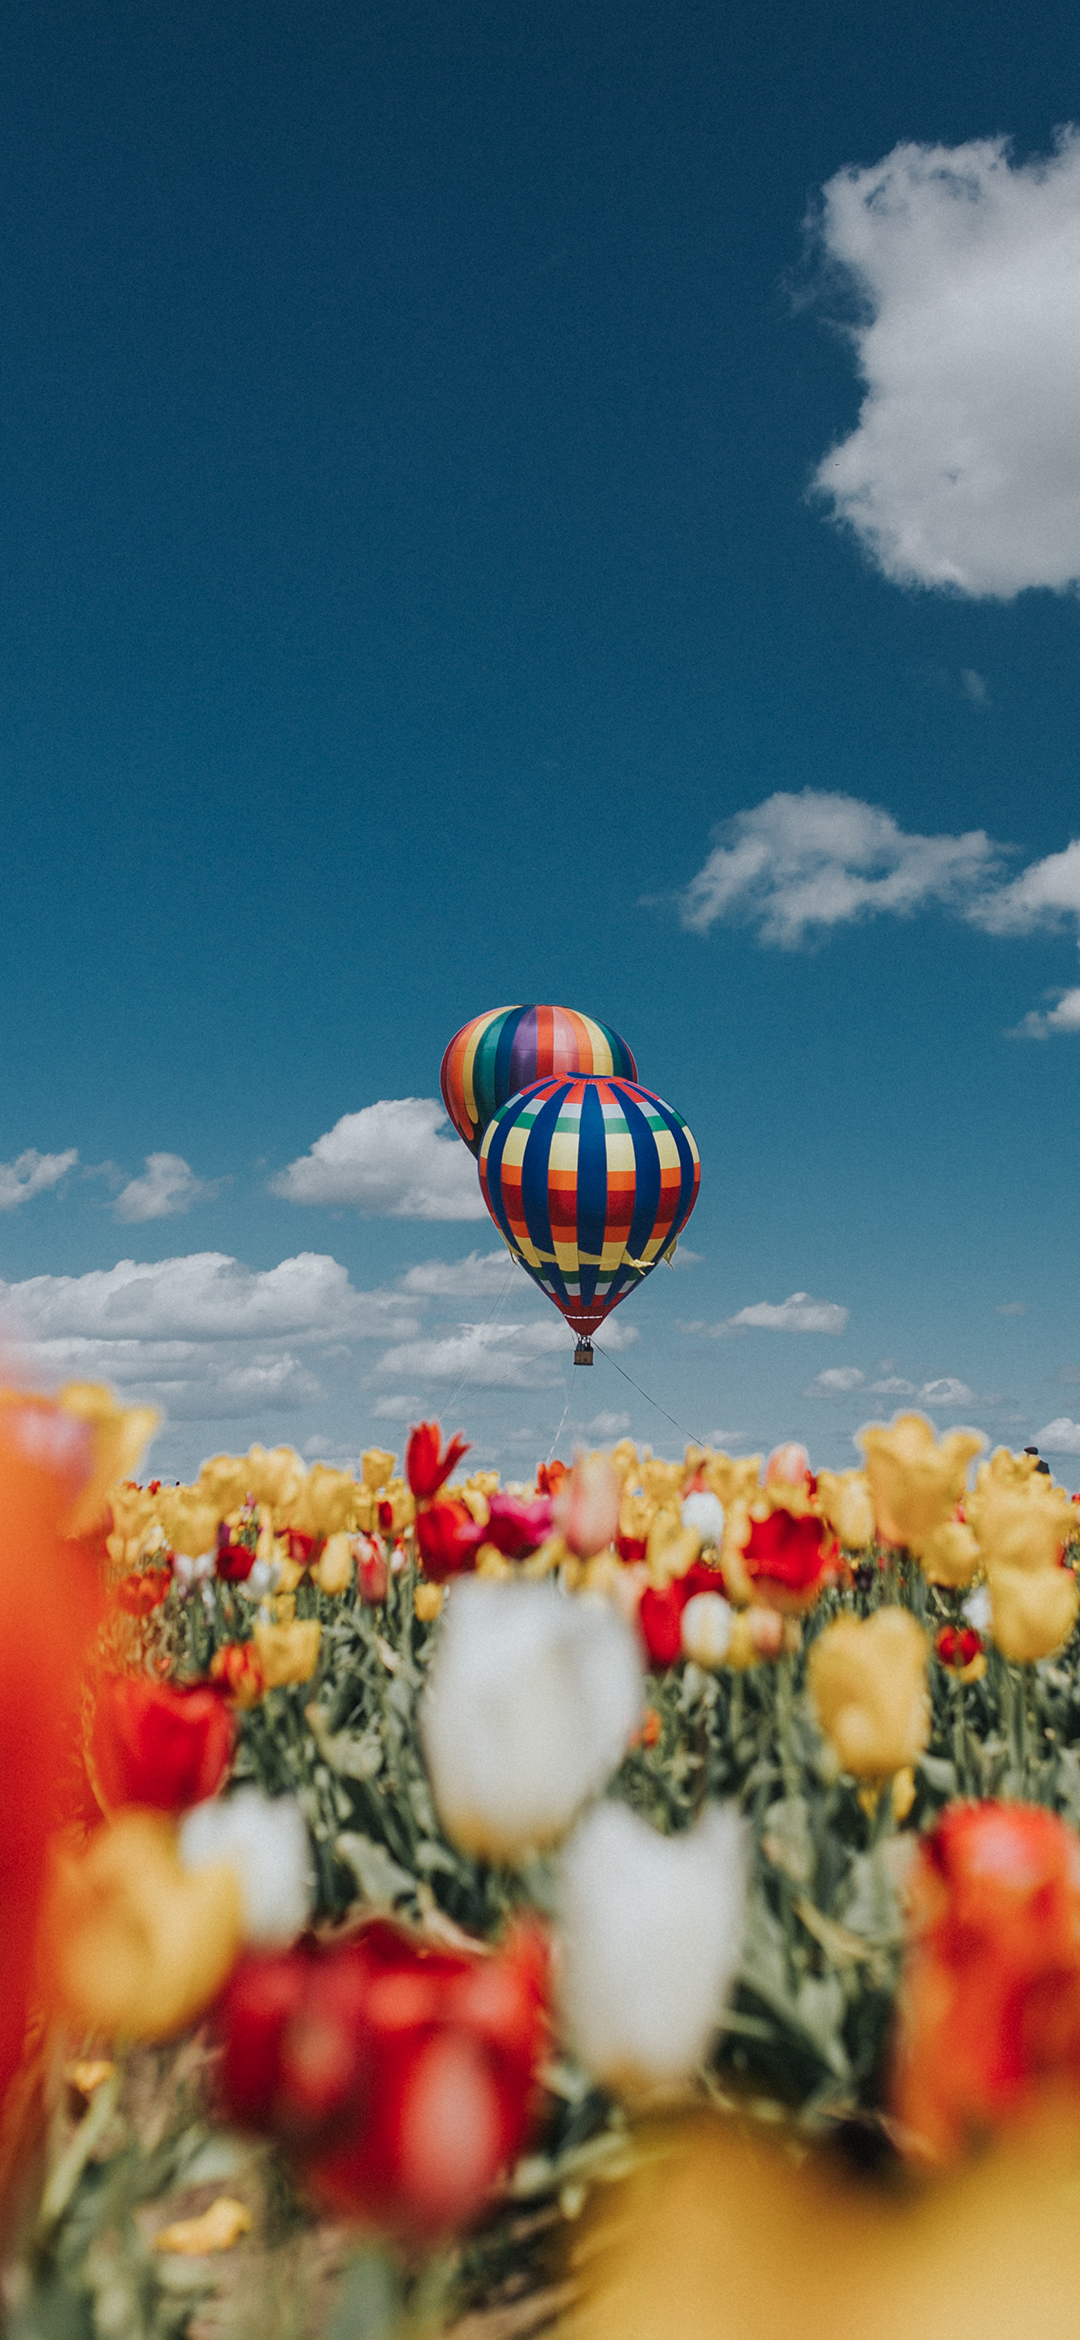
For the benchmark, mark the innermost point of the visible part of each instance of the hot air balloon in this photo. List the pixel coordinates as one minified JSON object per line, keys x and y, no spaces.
{"x":504,"y":1051}
{"x":590,"y":1181}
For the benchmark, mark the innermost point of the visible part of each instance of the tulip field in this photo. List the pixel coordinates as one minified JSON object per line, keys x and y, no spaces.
{"x":412,"y":1868}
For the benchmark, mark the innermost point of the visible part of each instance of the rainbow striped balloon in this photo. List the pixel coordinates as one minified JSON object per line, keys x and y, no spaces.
{"x":590,"y":1181}
{"x":496,"y":1055}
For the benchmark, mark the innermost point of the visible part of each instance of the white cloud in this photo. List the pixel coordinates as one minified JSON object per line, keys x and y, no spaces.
{"x":398,"y":1409}
{"x":497,"y":1356}
{"x":795,"y":866}
{"x":32,"y":1173}
{"x":1044,"y":895}
{"x":835,"y":1381}
{"x":798,"y":1314}
{"x":168,"y":1187}
{"x":390,"y":1160}
{"x":946,"y":1391}
{"x":1040,"y":1024}
{"x":1061,"y":1436}
{"x":964,"y":467}
{"x":894,"y":1385}
{"x":203,"y":1296}
{"x":974,"y":687}
{"x":608,"y":1425}
{"x":471,"y":1278}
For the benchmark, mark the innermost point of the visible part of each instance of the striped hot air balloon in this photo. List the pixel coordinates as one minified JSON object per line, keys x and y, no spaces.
{"x":590,"y":1182}
{"x":504,"y":1051}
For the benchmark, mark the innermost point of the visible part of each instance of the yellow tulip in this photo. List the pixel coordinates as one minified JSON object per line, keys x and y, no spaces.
{"x":135,"y":1945}
{"x":662,"y":1482}
{"x":225,"y":1480}
{"x":1032,"y":1611}
{"x":670,"y":1548}
{"x":118,"y":1436}
{"x":335,"y":1568}
{"x":843,"y":1499}
{"x":275,"y":1477}
{"x":950,"y":1555}
{"x":735,"y":1480}
{"x":427,"y":1602}
{"x":1021,"y":1520}
{"x":867,"y":1684}
{"x":916,"y":1480}
{"x":636,"y":1514}
{"x":189,"y":1519}
{"x":287,"y":1653}
{"x":376,"y":1468}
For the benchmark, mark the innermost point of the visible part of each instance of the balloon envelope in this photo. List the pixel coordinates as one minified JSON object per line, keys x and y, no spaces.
{"x":590,"y":1181}
{"x":498,"y":1054}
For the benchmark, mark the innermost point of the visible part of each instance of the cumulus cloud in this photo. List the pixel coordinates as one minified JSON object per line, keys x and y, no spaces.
{"x":1042,"y":1023}
{"x":167,"y":1187}
{"x":390,"y":1160}
{"x":526,"y":1355}
{"x":1061,"y":1436}
{"x":835,"y":1381}
{"x":795,"y":866}
{"x":459,"y":1279}
{"x":964,"y":467}
{"x":894,"y":1385}
{"x":946,"y":1391}
{"x":608,"y":1425}
{"x":798,"y":1314}
{"x":33,"y":1173}
{"x":202,"y":1296}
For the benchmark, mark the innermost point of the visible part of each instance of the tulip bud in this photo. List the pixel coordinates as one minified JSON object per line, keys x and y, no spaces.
{"x":704,"y":1512}
{"x":528,"y":1710}
{"x":651,"y":1934}
{"x":787,"y":1466}
{"x":586,"y":1510}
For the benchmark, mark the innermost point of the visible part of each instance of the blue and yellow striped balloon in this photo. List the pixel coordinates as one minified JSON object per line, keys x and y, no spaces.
{"x":590,"y":1181}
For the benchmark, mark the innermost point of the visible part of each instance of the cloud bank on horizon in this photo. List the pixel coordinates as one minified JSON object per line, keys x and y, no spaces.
{"x":964,"y":266}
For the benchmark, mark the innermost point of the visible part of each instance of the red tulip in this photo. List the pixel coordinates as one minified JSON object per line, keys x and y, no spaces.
{"x":372,"y":1574}
{"x":400,"y":2075}
{"x":427,"y":1468}
{"x":790,"y":1559}
{"x":958,"y":1646}
{"x":660,"y":1613}
{"x":989,"y":2011}
{"x":142,"y":1591}
{"x":516,"y":1528}
{"x":448,"y":1538}
{"x":234,"y":1561}
{"x":158,"y":1746}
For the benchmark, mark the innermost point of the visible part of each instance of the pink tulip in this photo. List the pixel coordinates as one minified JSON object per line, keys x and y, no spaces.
{"x":587,"y":1508}
{"x":787,"y":1466}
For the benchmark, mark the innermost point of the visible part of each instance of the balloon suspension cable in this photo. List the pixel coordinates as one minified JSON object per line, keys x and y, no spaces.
{"x":651,"y":1401}
{"x":489,"y":1319}
{"x":559,"y":1431}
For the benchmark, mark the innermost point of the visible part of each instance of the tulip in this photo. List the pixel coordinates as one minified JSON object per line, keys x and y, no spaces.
{"x":958,"y":1647}
{"x":704,"y":1513}
{"x":287,"y":1653}
{"x":843,"y":1499}
{"x":516,"y":1528}
{"x":448,"y":1539}
{"x":1032,"y":1612}
{"x":660,"y":1616}
{"x":141,"y":1592}
{"x":867,"y":1684}
{"x":157,"y":1746}
{"x":235,"y":1561}
{"x":1021,"y":1520}
{"x":916,"y":1480}
{"x":707,"y":1623}
{"x":790,"y":1559}
{"x":131,"y":1944}
{"x":650,"y":1936}
{"x":237,"y":1667}
{"x":528,"y":1710}
{"x":265,"y":1841}
{"x":788,"y":1466}
{"x":372,"y":1573}
{"x":427,"y":1467}
{"x":376,"y":1468}
{"x":989,"y":2014}
{"x":117,"y":1435}
{"x":400,"y":2075}
{"x":335,"y":1568}
{"x":586,"y":1510}
{"x":950,"y":1555}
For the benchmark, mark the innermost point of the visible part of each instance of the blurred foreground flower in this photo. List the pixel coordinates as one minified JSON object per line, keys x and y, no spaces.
{"x":989,"y":2014}
{"x":789,"y":1559}
{"x":867,"y":1684}
{"x":529,"y":1707}
{"x":132,"y":1945}
{"x":586,"y":1508}
{"x":400,"y":2076}
{"x":650,"y":1936}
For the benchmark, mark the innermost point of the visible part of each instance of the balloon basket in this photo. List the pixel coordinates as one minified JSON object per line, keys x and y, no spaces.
{"x":583,"y":1354}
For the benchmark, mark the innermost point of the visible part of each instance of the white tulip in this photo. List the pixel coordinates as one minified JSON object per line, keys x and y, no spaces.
{"x":978,"y":1609}
{"x":705,"y":1512}
{"x":707,"y":1621}
{"x":265,"y":1840}
{"x":650,"y":1938}
{"x":531,"y":1700}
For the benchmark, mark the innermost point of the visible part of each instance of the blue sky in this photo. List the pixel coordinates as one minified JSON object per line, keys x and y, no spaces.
{"x":577,"y":506}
